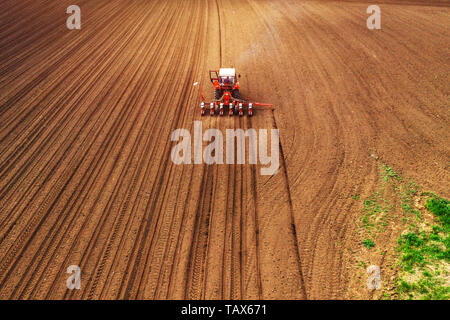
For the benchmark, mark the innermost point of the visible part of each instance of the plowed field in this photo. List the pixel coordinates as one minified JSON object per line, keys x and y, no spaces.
{"x":86,"y":118}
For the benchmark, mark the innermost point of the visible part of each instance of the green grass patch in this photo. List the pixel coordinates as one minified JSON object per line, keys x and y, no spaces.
{"x":389,"y":173}
{"x":423,"y":255}
{"x":419,"y":249}
{"x":376,"y":208}
{"x":368,"y":243}
{"x":441,"y":208}
{"x":428,"y":287}
{"x":426,"y":255}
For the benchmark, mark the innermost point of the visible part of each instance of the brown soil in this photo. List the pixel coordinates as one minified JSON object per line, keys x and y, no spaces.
{"x":86,"y":119}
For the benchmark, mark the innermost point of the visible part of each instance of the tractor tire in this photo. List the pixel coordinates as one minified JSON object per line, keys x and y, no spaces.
{"x":235,"y":94}
{"x":217,"y":94}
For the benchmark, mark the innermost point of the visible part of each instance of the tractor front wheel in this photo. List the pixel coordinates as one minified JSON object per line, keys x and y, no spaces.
{"x":235,"y":94}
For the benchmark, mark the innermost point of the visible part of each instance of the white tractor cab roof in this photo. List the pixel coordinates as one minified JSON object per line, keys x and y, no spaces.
{"x":227,"y":72}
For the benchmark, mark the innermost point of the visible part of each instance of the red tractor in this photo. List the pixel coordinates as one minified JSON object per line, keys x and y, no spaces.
{"x":226,"y":94}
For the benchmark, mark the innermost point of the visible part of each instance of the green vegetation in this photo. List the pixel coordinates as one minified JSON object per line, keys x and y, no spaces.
{"x":376,"y":208}
{"x":389,"y":173}
{"x":423,"y":246}
{"x":420,"y":248}
{"x":428,"y":287}
{"x":425,"y":256}
{"x":440,"y":208}
{"x":368,"y":243}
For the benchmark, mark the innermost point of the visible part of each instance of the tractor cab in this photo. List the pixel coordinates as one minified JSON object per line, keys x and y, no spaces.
{"x":225,"y":77}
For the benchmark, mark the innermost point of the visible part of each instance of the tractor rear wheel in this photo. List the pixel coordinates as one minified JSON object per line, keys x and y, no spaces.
{"x":217,"y":94}
{"x":235,"y":94}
